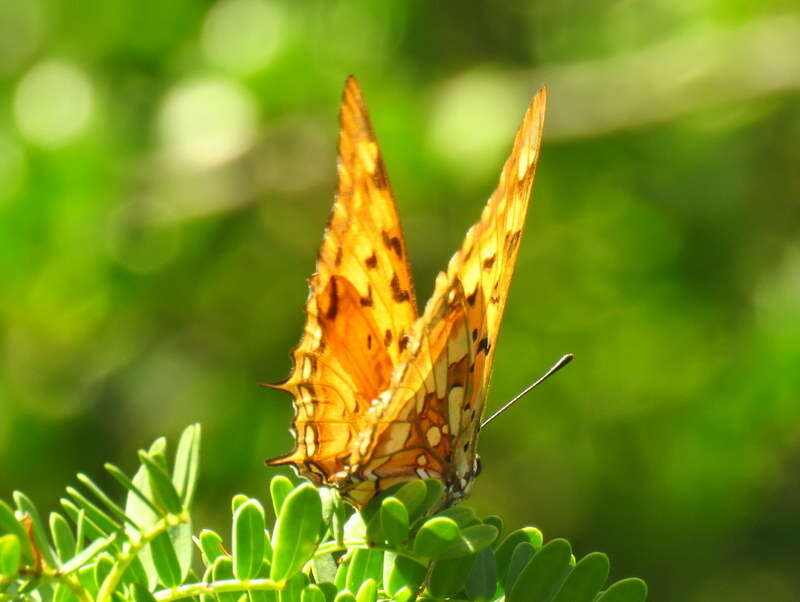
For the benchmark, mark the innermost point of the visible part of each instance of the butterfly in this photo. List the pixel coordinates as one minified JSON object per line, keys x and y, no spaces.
{"x":382,"y":395}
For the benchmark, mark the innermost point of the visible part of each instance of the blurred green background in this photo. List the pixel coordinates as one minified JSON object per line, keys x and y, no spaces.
{"x":166,"y":169}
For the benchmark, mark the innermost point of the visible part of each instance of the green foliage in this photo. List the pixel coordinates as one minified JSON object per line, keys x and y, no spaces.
{"x":392,"y":550}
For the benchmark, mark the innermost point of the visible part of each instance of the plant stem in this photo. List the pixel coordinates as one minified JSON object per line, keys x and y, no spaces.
{"x":50,"y":576}
{"x":215,"y":587}
{"x":131,"y":551}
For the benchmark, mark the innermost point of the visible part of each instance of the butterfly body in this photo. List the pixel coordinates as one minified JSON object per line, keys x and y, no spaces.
{"x":381,"y":394}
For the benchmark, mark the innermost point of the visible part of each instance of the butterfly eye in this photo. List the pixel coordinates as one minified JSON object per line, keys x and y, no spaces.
{"x":478,"y":466}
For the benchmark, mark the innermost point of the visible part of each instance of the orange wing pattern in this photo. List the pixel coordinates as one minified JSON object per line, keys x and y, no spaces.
{"x":371,"y":416}
{"x":441,"y":389}
{"x":360,"y":308}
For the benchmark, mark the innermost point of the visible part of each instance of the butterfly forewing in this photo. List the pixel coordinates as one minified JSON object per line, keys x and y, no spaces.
{"x":360,"y":307}
{"x":475,"y":287}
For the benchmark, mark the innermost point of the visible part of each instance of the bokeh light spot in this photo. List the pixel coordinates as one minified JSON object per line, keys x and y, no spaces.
{"x":242,"y":35}
{"x":474,"y":118}
{"x":53,"y":103}
{"x":206,"y":123}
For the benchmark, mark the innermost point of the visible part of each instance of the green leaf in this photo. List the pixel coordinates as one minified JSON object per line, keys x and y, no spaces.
{"x":10,"y":524}
{"x":414,"y":495}
{"x":223,"y":571}
{"x":375,"y":534}
{"x":181,"y":537}
{"x":436,"y":537}
{"x":293,"y":591}
{"x":541,"y":579}
{"x":94,"y":513}
{"x":237,"y":501}
{"x":312,"y":594}
{"x":324,"y":568}
{"x":187,"y":461}
{"x":368,"y":592}
{"x":140,"y":593}
{"x":334,"y":513}
{"x":626,"y":590}
{"x":166,"y":560}
{"x":136,"y":491}
{"x":139,"y":505}
{"x":341,"y":573}
{"x":161,"y":483}
{"x":585,"y":580}
{"x":449,"y":576}
{"x":25,"y":506}
{"x":434,"y":490}
{"x":355,"y":528}
{"x":506,"y":549}
{"x":404,"y":595}
{"x":296,"y":532}
{"x":103,"y":567}
{"x":462,"y":515}
{"x":211,"y":545}
{"x":401,"y":572}
{"x":118,"y":512}
{"x":88,"y":553}
{"x":279,"y":489}
{"x":86,"y":528}
{"x":345,"y":596}
{"x":482,"y":581}
{"x":62,"y":536}
{"x":478,"y":537}
{"x":86,"y":577}
{"x":267,"y":547}
{"x":329,"y":590}
{"x":519,"y":560}
{"x":63,"y":594}
{"x":496,"y":522}
{"x":10,"y":555}
{"x":136,"y":572}
{"x":248,"y":540}
{"x":394,"y":520}
{"x":364,"y":564}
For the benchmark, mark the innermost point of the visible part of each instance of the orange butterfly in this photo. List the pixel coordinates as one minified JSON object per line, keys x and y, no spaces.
{"x":381,"y":395}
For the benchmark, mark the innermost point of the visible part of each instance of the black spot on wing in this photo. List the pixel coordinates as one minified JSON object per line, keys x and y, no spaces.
{"x":398,"y":294}
{"x":393,"y":243}
{"x":367,"y":301}
{"x":333,"y":300}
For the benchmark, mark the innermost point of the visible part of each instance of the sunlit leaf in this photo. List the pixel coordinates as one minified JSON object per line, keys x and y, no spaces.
{"x":10,"y":555}
{"x":541,"y":579}
{"x":248,"y":539}
{"x":296,"y":532}
{"x":394,"y":520}
{"x":585,"y":580}
{"x":626,"y":590}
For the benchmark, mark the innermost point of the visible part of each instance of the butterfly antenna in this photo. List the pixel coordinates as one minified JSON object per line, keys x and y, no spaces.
{"x":556,"y":367}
